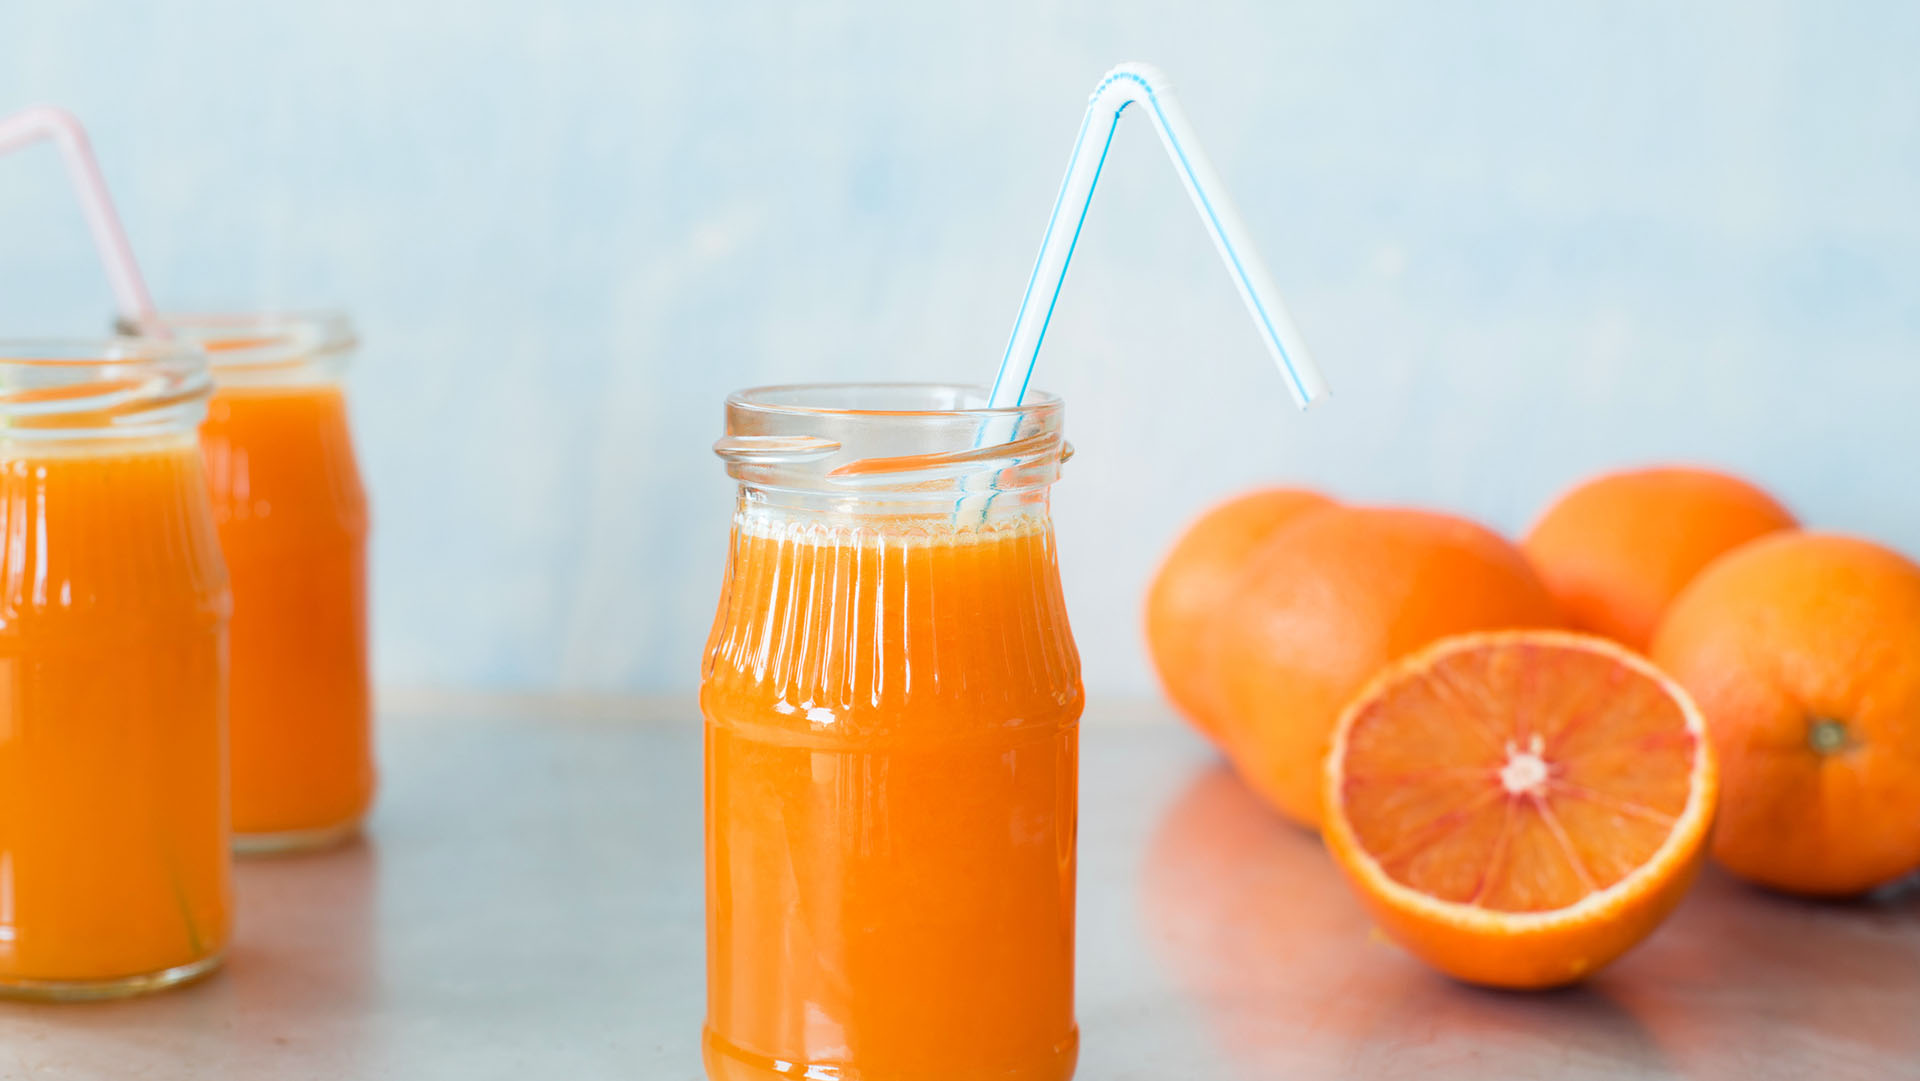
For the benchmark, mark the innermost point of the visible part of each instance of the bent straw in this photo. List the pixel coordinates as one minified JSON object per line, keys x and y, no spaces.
{"x":123,"y":274}
{"x":1124,"y":86}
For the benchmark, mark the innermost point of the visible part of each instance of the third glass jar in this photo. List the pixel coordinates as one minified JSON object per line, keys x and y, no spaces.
{"x":292,"y":516}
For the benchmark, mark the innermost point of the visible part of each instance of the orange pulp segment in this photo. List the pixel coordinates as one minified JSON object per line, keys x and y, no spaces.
{"x":1519,"y":808}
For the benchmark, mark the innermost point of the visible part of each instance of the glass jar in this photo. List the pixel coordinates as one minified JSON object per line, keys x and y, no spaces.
{"x":892,"y":698}
{"x":114,"y":872}
{"x":293,"y":524}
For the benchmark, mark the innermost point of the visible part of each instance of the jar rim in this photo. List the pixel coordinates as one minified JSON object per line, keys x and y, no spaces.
{"x":241,"y":341}
{"x":789,"y":399}
{"x":77,"y":352}
{"x":56,"y":390}
{"x":890,"y":447}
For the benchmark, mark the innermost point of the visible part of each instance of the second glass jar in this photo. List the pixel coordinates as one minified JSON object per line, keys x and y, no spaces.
{"x":292,"y":515}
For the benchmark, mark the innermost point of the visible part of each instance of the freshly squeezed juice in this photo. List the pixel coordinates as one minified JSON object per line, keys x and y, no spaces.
{"x":293,"y":523}
{"x":892,"y":759}
{"x":113,"y":813}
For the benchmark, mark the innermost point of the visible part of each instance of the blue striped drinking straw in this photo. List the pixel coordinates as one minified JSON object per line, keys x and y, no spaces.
{"x":1124,"y":86}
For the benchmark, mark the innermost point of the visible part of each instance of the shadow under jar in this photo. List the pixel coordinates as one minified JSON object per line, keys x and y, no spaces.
{"x":114,"y":866}
{"x":292,"y":514}
{"x":892,"y":699}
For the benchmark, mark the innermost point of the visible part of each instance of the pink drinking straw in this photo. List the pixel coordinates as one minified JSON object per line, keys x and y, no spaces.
{"x":62,"y":129}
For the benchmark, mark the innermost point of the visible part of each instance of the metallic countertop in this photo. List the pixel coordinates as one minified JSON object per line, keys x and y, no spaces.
{"x":527,"y":903}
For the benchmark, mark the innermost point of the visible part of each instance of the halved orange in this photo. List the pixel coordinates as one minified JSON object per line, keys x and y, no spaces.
{"x":1519,"y":808}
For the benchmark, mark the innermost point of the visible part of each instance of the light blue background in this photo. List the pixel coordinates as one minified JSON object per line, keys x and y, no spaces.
{"x":1528,"y":241}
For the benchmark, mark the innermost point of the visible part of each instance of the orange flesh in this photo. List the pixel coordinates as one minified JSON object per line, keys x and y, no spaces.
{"x":293,"y":525}
{"x":113,"y":818}
{"x":892,"y":756}
{"x":1517,"y":778}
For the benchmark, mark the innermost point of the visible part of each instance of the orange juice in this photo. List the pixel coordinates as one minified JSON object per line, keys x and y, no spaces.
{"x":113,"y":609}
{"x":891,"y":788}
{"x":293,"y":523}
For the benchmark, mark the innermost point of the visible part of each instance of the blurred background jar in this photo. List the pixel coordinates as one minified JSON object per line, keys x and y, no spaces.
{"x":114,"y":865}
{"x":292,"y":514}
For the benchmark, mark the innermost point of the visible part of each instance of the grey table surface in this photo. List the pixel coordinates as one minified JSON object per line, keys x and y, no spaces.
{"x":527,"y":903}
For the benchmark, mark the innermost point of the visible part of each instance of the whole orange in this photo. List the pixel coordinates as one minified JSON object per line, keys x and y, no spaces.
{"x":1195,"y":580}
{"x":1803,"y":652}
{"x":1617,"y":549}
{"x":1327,"y":603}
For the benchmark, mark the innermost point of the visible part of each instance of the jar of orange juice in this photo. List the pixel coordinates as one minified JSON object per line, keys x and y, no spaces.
{"x":892,"y":698}
{"x":293,"y":524}
{"x":114,"y":872}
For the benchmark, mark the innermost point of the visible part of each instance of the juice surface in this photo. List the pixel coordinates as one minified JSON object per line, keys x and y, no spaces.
{"x":293,"y":525}
{"x":113,"y":814}
{"x":892,"y":763}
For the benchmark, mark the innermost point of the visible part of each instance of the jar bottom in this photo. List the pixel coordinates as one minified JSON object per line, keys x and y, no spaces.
{"x":287,"y":842}
{"x":118,"y":987}
{"x":727,"y":1061}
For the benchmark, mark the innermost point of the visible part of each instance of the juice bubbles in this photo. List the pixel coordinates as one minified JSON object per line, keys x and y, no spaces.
{"x":114,"y":874}
{"x":892,"y":697}
{"x":293,"y":524}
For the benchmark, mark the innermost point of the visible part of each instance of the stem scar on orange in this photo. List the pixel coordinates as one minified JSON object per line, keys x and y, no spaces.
{"x":1520,"y":808}
{"x":1617,"y":549}
{"x":1195,"y":580}
{"x":1803,"y":651}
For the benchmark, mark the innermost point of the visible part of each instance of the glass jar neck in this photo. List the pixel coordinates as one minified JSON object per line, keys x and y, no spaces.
{"x":271,"y":349}
{"x":922,"y":453}
{"x":99,"y":397}
{"x":893,"y":512}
